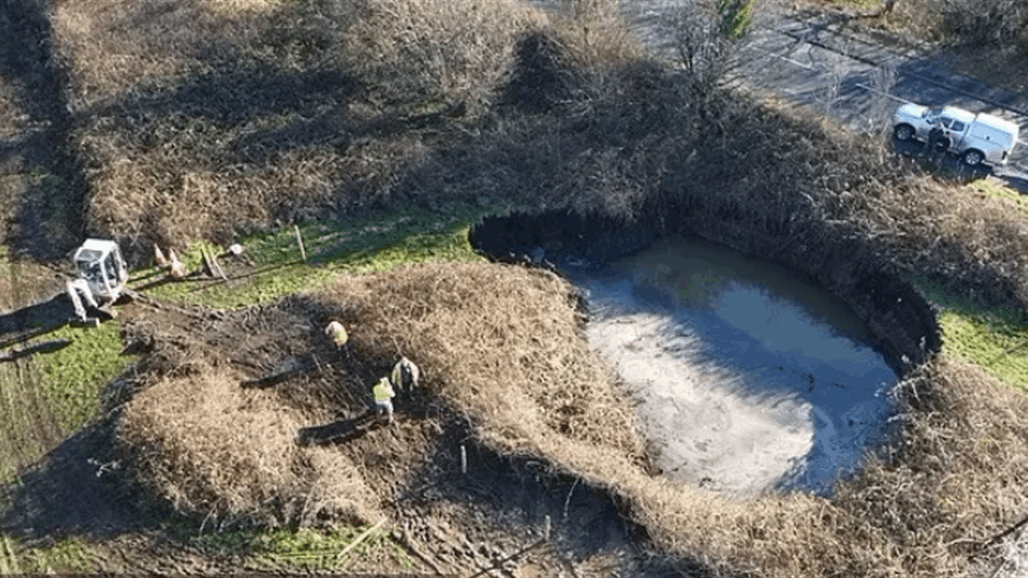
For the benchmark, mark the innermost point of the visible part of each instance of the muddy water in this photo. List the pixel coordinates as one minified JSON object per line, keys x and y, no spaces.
{"x":747,"y":378}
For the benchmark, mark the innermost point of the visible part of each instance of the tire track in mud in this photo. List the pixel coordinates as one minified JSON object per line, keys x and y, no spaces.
{"x":41,"y":176}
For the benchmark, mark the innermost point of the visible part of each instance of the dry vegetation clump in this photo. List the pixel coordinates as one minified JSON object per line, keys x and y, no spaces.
{"x":993,"y":24}
{"x":955,"y":482}
{"x":499,"y":344}
{"x":430,"y":53}
{"x":203,"y":118}
{"x":212,"y":448}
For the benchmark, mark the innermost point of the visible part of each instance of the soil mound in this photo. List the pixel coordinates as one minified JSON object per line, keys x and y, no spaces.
{"x":498,"y":344}
{"x":201,"y":440}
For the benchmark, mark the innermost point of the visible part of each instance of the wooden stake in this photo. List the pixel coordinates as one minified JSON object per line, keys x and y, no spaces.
{"x":299,"y":241}
{"x":217,"y":267}
{"x":359,"y":539}
{"x":208,"y":268}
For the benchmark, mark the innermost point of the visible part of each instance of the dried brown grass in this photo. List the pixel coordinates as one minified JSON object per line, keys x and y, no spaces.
{"x":991,"y":24}
{"x":213,"y":448}
{"x":502,"y":343}
{"x":435,"y":51}
{"x":955,"y":481}
{"x":629,"y":140}
{"x":204,"y":118}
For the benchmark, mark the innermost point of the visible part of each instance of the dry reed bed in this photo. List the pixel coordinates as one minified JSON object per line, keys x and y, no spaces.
{"x":201,"y":118}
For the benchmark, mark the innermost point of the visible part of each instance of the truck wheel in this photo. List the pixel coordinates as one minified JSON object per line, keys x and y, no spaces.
{"x":903,"y":132}
{"x":973,"y":158}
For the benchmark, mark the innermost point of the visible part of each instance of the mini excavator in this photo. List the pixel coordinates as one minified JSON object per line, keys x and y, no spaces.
{"x":100,"y":279}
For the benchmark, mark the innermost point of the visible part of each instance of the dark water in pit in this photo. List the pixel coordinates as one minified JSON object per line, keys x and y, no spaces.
{"x":747,"y":378}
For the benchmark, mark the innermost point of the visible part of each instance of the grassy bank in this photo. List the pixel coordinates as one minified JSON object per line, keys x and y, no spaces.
{"x":276,"y":265}
{"x":993,"y":338}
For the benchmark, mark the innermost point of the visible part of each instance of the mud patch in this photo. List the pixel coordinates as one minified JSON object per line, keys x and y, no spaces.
{"x":701,"y":427}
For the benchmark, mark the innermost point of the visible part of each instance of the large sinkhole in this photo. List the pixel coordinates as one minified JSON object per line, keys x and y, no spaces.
{"x":746,"y":375}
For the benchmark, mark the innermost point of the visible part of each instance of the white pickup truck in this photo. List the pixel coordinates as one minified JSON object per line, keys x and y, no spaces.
{"x":977,"y":138}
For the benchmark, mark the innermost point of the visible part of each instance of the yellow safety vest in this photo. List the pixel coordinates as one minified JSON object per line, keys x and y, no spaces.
{"x":382,"y":390}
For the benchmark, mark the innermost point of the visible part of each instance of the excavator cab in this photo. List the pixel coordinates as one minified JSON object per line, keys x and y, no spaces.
{"x":100,"y":265}
{"x":100,"y":279}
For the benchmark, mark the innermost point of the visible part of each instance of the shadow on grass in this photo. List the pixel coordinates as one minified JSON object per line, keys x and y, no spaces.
{"x":77,"y":489}
{"x":49,"y":219}
{"x":35,"y":320}
{"x":43,"y":347}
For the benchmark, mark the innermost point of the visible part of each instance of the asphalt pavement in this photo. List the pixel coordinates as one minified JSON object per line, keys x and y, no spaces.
{"x":860,"y":83}
{"x":849,"y":77}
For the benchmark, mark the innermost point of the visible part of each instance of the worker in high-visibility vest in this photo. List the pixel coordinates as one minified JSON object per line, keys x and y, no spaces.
{"x":405,"y":375}
{"x":337,"y":333}
{"x":383,"y":392}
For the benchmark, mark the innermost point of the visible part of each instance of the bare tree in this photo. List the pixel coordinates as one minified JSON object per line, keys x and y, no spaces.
{"x":833,"y":75}
{"x":702,"y":44}
{"x":883,"y":79}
